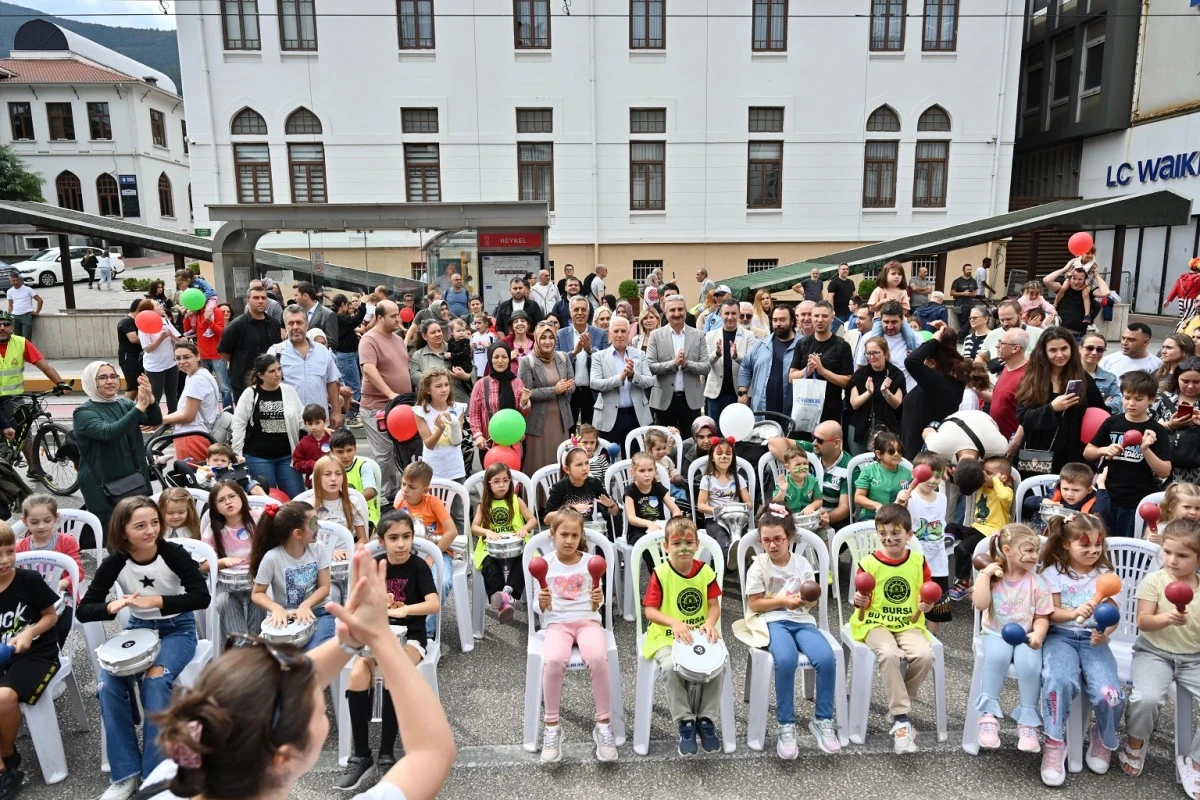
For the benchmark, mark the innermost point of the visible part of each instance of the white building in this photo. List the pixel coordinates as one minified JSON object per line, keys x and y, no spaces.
{"x":735,"y":134}
{"x":107,"y":134}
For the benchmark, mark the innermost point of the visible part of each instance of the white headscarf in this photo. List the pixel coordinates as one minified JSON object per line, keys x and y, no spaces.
{"x":90,"y":387}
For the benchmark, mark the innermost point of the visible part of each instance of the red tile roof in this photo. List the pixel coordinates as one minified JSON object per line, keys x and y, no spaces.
{"x":57,"y":70}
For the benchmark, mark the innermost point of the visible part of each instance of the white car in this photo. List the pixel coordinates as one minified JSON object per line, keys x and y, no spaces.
{"x":43,"y":268}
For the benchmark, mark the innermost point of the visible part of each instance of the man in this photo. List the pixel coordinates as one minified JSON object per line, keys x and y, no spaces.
{"x":891,"y":315}
{"x":706,"y":285}
{"x":435,"y":355}
{"x":727,"y":345}
{"x":804,"y":320}
{"x":518,"y":289}
{"x":316,"y":314}
{"x":15,"y":352}
{"x":932,"y":311}
{"x":835,"y":462}
{"x":619,"y":381}
{"x":545,"y":293}
{"x":309,"y":367}
{"x":746,"y":321}
{"x":24,"y":304}
{"x":562,"y":309}
{"x":1009,"y":312}
{"x":810,"y":287}
{"x":581,"y":340}
{"x":981,"y":275}
{"x":712,"y":320}
{"x":247,"y":337}
{"x":1133,"y":353}
{"x":667,"y":290}
{"x":677,"y":357}
{"x":920,"y":289}
{"x":964,"y":290}
{"x":89,"y":262}
{"x":443,"y":282}
{"x":1011,"y":350}
{"x":385,"y":363}
{"x":568,"y":273}
{"x":826,"y":357}
{"x":274,"y":308}
{"x":858,"y":334}
{"x":763,"y":379}
{"x":841,"y":289}
{"x":596,"y":289}
{"x":457,"y":296}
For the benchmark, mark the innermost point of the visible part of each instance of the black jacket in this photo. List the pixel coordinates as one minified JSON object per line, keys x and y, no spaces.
{"x":504,"y":311}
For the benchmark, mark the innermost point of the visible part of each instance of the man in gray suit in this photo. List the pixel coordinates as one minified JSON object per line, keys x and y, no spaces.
{"x":620,"y":380}
{"x":678,"y":358}
{"x":581,"y":340}
{"x":318,"y":315}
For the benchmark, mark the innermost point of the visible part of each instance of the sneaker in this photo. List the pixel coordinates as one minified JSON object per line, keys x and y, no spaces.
{"x":357,"y":770}
{"x":10,"y":781}
{"x":826,"y":735}
{"x":708,"y":735}
{"x":606,"y":742}
{"x":785,"y":745}
{"x":505,"y":610}
{"x":1054,"y":754}
{"x":960,"y":590}
{"x":989,"y":732}
{"x":904,"y":738}
{"x":1027,"y":741}
{"x":1098,"y":756}
{"x":687,"y":738}
{"x":383,"y":763}
{"x":355,"y":422}
{"x":552,"y":738}
{"x":122,"y":790}
{"x":13,"y":761}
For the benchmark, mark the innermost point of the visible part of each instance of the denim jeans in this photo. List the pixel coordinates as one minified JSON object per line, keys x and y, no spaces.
{"x":347,"y":364}
{"x":220,"y":369}
{"x":997,"y":654}
{"x":788,"y":640}
{"x":105,"y":278}
{"x":326,"y":627}
{"x":1121,"y":521}
{"x":177,"y":646}
{"x":278,"y":471}
{"x":1069,"y":659}
{"x":443,"y":590}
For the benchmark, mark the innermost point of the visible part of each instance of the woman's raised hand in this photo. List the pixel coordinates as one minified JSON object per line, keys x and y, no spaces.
{"x":363,"y":618}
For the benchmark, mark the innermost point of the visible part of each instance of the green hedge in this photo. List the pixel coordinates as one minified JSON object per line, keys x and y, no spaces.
{"x":136,"y":284}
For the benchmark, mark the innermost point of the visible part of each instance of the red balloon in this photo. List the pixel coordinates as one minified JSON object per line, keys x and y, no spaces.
{"x":500,"y":454}
{"x":279,"y":495}
{"x":1079,"y":243}
{"x":148,"y":322}
{"x":1131,"y":439}
{"x":1092,"y":419}
{"x":406,"y":315}
{"x":401,"y":423}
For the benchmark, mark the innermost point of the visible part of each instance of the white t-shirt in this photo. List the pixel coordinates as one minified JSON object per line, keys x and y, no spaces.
{"x":720,"y":492}
{"x":980,"y":279}
{"x":203,"y":387}
{"x":293,"y":580}
{"x":369,"y":314}
{"x":165,"y":772}
{"x":781,"y":580}
{"x":446,"y":458}
{"x":22,"y":299}
{"x":570,"y":591}
{"x":161,"y":358}
{"x":929,"y":525}
{"x":597,"y":291}
{"x":677,"y":344}
{"x":480,"y":342}
{"x":1074,"y":592}
{"x":1119,"y":363}
{"x":332,"y":511}
{"x":582,"y":370}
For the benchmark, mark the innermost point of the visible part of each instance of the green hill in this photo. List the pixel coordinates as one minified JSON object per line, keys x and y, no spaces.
{"x":154,"y":48}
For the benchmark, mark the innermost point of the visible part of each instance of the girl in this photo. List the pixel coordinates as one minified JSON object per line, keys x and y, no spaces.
{"x":660,"y":446}
{"x":879,"y":482}
{"x":720,"y":486}
{"x":501,"y":513}
{"x":39,"y":512}
{"x":773,"y":590}
{"x":288,"y":560}
{"x":892,"y":286}
{"x":588,"y":438}
{"x":179,"y":513}
{"x":228,"y":528}
{"x":578,"y":490}
{"x":1007,"y":592}
{"x":440,"y":424}
{"x":519,"y":342}
{"x":335,"y":500}
{"x":569,"y":608}
{"x":161,"y":586}
{"x":1072,"y":559}
{"x":1167,"y":649}
{"x":1180,"y":500}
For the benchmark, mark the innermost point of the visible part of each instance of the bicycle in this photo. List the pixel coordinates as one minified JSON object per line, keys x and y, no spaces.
{"x":54,"y":466}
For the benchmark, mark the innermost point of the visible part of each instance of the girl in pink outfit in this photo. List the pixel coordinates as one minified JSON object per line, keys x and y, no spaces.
{"x":39,"y":512}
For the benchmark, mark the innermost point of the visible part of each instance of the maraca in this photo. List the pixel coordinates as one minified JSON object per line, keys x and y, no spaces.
{"x":1150,"y":512}
{"x":1107,"y":585}
{"x":597,"y":566}
{"x":1106,"y":615}
{"x":931,"y":593}
{"x":920,"y":474}
{"x":1014,"y":634}
{"x":1131,"y":439}
{"x":810,"y":591}
{"x":538,"y":568}
{"x":6,"y":653}
{"x":1178,"y":594}
{"x":980,"y":562}
{"x":614,"y":452}
{"x":864,"y":583}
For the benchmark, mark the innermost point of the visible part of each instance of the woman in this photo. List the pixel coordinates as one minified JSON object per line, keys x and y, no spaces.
{"x":267,"y":425}
{"x":520,"y":343}
{"x":647,"y":324}
{"x":1175,"y":349}
{"x":201,"y":405}
{"x":1171,"y":409}
{"x":891,"y":286}
{"x":941,"y":374}
{"x":550,"y":379}
{"x":498,"y":388}
{"x":876,"y":392}
{"x":602,"y":318}
{"x":345,"y":349}
{"x":158,"y":361}
{"x":437,"y":310}
{"x":1050,"y":416}
{"x":625,"y":309}
{"x":255,"y":722}
{"x":110,"y":442}
{"x":763,"y":305}
{"x":158,"y":293}
{"x":1090,"y":352}
{"x":979,"y":331}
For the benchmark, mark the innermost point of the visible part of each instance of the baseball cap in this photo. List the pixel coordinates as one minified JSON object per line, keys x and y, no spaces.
{"x":722,"y":289}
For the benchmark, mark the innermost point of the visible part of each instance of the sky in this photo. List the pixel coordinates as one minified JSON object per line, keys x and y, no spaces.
{"x":129,"y":13}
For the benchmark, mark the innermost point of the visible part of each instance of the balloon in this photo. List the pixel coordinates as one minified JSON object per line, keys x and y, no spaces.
{"x":925,"y":335}
{"x":192,"y":299}
{"x":1092,"y":419}
{"x":1014,"y":634}
{"x":149,"y":321}
{"x":1079,"y":243}
{"x":279,"y":494}
{"x":401,"y":423}
{"x":1106,"y":615}
{"x":506,"y":427}
{"x":406,"y":315}
{"x":737,"y":421}
{"x":502,"y":454}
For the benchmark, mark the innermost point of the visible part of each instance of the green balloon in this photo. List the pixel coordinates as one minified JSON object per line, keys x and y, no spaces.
{"x":926,"y":336}
{"x":506,"y":427}
{"x":192,"y":299}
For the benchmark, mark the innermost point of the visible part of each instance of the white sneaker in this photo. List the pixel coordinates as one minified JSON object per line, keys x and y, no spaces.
{"x":826,"y":735}
{"x":904,"y":738}
{"x":552,"y":738}
{"x":122,"y":790}
{"x":606,"y":742}
{"x":785,"y":744}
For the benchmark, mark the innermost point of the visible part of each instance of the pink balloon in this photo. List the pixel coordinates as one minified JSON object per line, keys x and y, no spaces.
{"x":148,"y":322}
{"x":501,"y":454}
{"x":1079,"y":243}
{"x":1092,"y":419}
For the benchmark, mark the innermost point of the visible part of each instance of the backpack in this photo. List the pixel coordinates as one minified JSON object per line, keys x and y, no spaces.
{"x":13,"y":489}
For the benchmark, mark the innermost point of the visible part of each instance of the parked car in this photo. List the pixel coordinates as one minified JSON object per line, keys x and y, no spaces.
{"x":43,"y":267}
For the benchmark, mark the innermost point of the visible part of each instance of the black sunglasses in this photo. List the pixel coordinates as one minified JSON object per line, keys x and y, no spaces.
{"x":289,"y":661}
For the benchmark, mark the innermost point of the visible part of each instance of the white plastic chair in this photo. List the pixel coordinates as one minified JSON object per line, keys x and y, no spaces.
{"x":73,"y":522}
{"x":647,"y":668}
{"x":745,"y":471}
{"x":535,"y":657}
{"x":1139,"y":524}
{"x":638,"y":435}
{"x":336,"y":537}
{"x":258,"y":502}
{"x":467,"y":609}
{"x":616,"y":479}
{"x":760,"y":669}
{"x":1042,"y":485}
{"x":861,"y":539}
{"x":543,"y":481}
{"x":858,"y":461}
{"x":601,"y":444}
{"x":40,"y":718}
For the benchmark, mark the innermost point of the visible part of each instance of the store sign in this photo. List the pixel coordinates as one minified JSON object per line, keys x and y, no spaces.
{"x":511,"y":241}
{"x":1151,"y":170}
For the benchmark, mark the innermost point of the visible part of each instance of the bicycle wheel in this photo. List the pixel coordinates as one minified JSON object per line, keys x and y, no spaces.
{"x":58,"y":473}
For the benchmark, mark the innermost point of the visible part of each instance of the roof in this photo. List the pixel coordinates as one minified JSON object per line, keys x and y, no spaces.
{"x":41,"y":36}
{"x":58,"y":70}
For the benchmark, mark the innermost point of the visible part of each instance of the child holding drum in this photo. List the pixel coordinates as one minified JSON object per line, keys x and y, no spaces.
{"x":39,"y":512}
{"x":287,"y":559}
{"x":230,"y":516}
{"x":502,"y":523}
{"x":720,"y":486}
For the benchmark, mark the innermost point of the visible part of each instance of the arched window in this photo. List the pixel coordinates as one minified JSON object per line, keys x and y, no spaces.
{"x":883,"y":120}
{"x":935,"y":118}
{"x":70,"y":191}
{"x":109,"y":197}
{"x":166,"y":203}
{"x":302,"y":121}
{"x":881,"y":159}
{"x":248,"y":122}
{"x":931,"y":168}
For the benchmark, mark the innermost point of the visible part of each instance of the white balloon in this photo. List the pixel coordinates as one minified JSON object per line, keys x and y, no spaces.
{"x":736,"y":420}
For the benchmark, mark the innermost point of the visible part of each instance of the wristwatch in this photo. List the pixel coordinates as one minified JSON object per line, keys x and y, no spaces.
{"x":743,"y":392}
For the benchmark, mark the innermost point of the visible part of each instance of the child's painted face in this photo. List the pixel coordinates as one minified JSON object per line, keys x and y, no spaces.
{"x":659,"y":451}
{"x":331,"y":481}
{"x":218,"y":461}
{"x":1180,"y":561}
{"x":142,"y":529}
{"x":798,"y":470}
{"x":40,"y":521}
{"x":500,"y":485}
{"x":681,"y":546}
{"x":890,"y":457}
{"x":413,"y":491}
{"x":893,"y":539}
{"x":567,"y":536}
{"x":398,"y":542}
{"x":316,"y":428}
{"x":589,"y":443}
{"x":577,"y":468}
{"x":1085,"y":551}
{"x":1024,"y":554}
{"x":1073,"y":493}
{"x":704,"y":440}
{"x":643,"y":474}
{"x":1135,"y":405}
{"x":8,"y":560}
{"x":311,"y":526}
{"x":722,"y":456}
{"x":345,"y":455}
{"x":775,"y":541}
{"x":229,"y":504}
{"x":934,"y":483}
{"x":176,"y":514}
{"x":1188,"y":506}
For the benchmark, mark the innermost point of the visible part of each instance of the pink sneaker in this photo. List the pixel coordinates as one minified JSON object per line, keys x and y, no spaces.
{"x":1027,"y":741}
{"x":1054,"y":754}
{"x":1098,"y":756}
{"x":989,"y":732}
{"x":505,"y":611}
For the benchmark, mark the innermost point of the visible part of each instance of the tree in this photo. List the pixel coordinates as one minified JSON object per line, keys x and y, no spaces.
{"x":16,"y":181}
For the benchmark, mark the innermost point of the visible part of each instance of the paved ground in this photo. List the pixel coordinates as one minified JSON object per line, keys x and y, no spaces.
{"x":93,"y":299}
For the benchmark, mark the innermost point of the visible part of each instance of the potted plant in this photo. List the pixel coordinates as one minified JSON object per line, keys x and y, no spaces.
{"x":866,"y":286}
{"x":628,"y":290}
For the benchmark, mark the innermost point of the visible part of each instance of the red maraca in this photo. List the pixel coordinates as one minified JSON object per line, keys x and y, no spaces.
{"x":930,"y":592}
{"x":538,"y":568}
{"x":1178,"y":594}
{"x":1151,"y":513}
{"x":920,"y":474}
{"x":864,"y":583}
{"x":1132,"y":439}
{"x":597,"y":566}
{"x":810,"y":591}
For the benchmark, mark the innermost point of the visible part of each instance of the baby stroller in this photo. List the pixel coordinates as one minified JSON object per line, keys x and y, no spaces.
{"x":164,"y":467}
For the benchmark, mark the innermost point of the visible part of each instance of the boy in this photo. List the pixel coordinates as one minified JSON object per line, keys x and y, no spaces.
{"x":676,"y":585}
{"x":221,"y":463}
{"x":1074,"y":493}
{"x":359,"y":474}
{"x":801,"y":494}
{"x":1135,"y":470}
{"x":926,"y":504}
{"x":433,"y":514}
{"x":315,"y":445}
{"x":993,"y":510}
{"x":879,"y":482}
{"x":27,"y":607}
{"x":481,"y":340}
{"x":894,"y":622}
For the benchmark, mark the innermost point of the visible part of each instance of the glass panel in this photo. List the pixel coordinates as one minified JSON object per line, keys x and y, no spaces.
{"x":646,"y":151}
{"x":1094,"y":67}
{"x":766,"y":150}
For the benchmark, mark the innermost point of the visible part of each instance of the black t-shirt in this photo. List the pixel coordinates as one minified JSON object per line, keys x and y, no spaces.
{"x":1070,"y":309}
{"x":649,"y":505}
{"x":266,"y":435}
{"x":565,"y":493}
{"x":876,"y":412}
{"x":727,"y":382}
{"x":127,"y":351}
{"x":410,"y":583}
{"x":964,"y":284}
{"x":836,"y":357}
{"x":1129,"y":476}
{"x":244,"y":340}
{"x":842,"y":290}
{"x":21,"y":605}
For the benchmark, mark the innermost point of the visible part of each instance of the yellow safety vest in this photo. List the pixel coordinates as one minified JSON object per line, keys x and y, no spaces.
{"x":12,"y":367}
{"x":505,"y":518}
{"x":354,"y":478}
{"x":897,"y":593}
{"x":683,"y":599}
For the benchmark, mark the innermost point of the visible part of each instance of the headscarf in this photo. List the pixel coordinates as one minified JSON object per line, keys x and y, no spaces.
{"x":504,"y":378}
{"x":313,"y":333}
{"x":704,"y":422}
{"x":91,"y":388}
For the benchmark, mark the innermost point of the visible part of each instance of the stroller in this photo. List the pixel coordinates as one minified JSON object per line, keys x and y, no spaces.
{"x":164,"y":467}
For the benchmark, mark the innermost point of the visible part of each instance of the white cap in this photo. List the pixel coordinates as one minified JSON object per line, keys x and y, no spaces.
{"x":723,"y":289}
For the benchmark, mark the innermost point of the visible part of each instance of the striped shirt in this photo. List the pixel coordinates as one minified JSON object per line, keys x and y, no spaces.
{"x":835,"y":482}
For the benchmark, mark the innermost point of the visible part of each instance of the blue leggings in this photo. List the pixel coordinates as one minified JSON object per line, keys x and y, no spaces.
{"x":788,"y":640}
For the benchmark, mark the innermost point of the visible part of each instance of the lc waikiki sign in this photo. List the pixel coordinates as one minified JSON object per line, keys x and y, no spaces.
{"x":1150,"y":170}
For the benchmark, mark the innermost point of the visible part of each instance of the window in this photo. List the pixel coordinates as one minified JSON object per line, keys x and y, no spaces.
{"x":642,"y":269}
{"x":252,"y":163}
{"x":239,"y":24}
{"x":183,"y":135}
{"x":941,"y":25}
{"x":166,"y":203}
{"x":883,"y":120}
{"x":887,"y":25}
{"x":70,"y":191}
{"x":306,"y":164}
{"x":930,"y":263}
{"x":647,"y":24}
{"x":647,"y":120}
{"x":36,"y":242}
{"x":297,"y":25}
{"x":764,"y":178}
{"x":419,"y":120}
{"x":416,"y":24}
{"x":1066,"y":12}
{"x":1031,"y":109}
{"x":879,"y":174}
{"x":422,"y":169}
{"x":531,"y":24}
{"x":935,"y":118}
{"x":248,"y":122}
{"x":62,"y":123}
{"x":647,"y":176}
{"x":1062,"y":77}
{"x":302,"y":121}
{"x":766,"y":119}
{"x":770,"y":25}
{"x":21,"y":117}
{"x":1093,"y":58}
{"x":759,"y":264}
{"x":535,"y":120}
{"x":108,"y":196}
{"x":1038,"y":10}
{"x":535,"y":171}
{"x":929,"y":177}
{"x":158,"y":128}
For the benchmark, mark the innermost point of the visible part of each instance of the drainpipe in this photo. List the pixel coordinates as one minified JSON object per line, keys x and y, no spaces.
{"x":212,"y":121}
{"x":595,"y":164}
{"x":1000,"y":98}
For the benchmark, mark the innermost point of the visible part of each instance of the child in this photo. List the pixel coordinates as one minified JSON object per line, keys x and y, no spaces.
{"x":359,"y":473}
{"x":501,"y":513}
{"x":894,"y":623}
{"x":459,"y":347}
{"x":682,"y":577}
{"x":481,"y":340}
{"x":230,"y":515}
{"x":1137,"y":470}
{"x":1009,"y":592}
{"x":1072,"y":559}
{"x":578,"y":490}
{"x":414,"y":596}
{"x":1167,"y":649}
{"x":720,"y":486}
{"x":414,"y":499}
{"x":1074,"y":493}
{"x":440,"y":425}
{"x":926,"y":504}
{"x":1180,"y":501}
{"x":881,"y":481}
{"x":569,"y":608}
{"x":313,"y":446}
{"x":801,"y":494}
{"x":39,"y":512}
{"x":993,"y":510}
{"x":773,"y":590}
{"x":179,"y":513}
{"x":659,"y":446}
{"x":162,"y":587}
{"x":221,"y":463}
{"x":588,"y":438}
{"x":647,"y":504}
{"x":333,"y":498}
{"x":288,"y":560}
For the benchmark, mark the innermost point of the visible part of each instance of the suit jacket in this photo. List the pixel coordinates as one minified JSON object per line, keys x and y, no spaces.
{"x":533,"y":375}
{"x":606,"y":383}
{"x":324,"y":318}
{"x":566,"y":344}
{"x":504,"y":311}
{"x":562,"y":310}
{"x":660,"y":357}
{"x":743,"y":341}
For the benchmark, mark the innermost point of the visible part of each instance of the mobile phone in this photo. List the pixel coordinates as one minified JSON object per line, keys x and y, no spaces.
{"x":1184,"y":410}
{"x":1075,"y":388}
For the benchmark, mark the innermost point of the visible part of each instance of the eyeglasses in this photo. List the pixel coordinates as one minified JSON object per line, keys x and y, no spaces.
{"x":1093,"y":348}
{"x":874,"y":353}
{"x":287,"y":662}
{"x":746,"y":317}
{"x":773,"y":540}
{"x":108,"y":376}
{"x":819,"y":441}
{"x":892,"y":452}
{"x":6,"y":324}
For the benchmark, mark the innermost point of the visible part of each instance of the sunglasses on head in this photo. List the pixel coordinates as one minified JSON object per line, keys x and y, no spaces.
{"x":288,"y":662}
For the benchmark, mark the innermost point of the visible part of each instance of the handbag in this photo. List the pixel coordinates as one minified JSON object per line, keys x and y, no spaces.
{"x":132,"y":485}
{"x":1036,"y":462}
{"x":752,"y":630}
{"x":808,"y":400}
